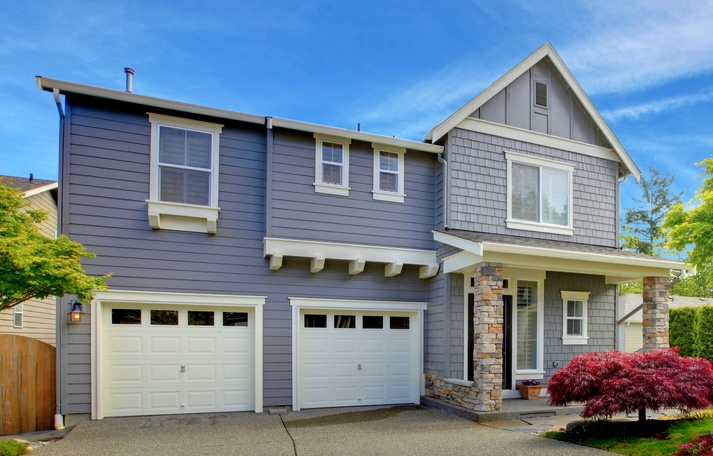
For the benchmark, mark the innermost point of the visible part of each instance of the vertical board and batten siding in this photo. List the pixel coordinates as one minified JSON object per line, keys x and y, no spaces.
{"x":478,"y":183}
{"x":108,"y":188}
{"x":299,"y":212}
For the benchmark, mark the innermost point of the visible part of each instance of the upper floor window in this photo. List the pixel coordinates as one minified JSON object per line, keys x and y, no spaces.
{"x":574,"y":317}
{"x":331,"y":165}
{"x":18,"y":315}
{"x":539,"y":194}
{"x":389,"y":173}
{"x":184,"y":174}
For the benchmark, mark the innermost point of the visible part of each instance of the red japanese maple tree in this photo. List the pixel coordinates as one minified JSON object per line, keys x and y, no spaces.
{"x":614,"y":382}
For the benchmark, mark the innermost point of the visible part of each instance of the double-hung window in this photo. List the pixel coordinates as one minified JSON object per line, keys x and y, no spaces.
{"x":539,"y":194}
{"x":18,"y":316}
{"x":184,"y":174}
{"x":331,"y":165}
{"x":389,"y":173}
{"x":574,"y":317}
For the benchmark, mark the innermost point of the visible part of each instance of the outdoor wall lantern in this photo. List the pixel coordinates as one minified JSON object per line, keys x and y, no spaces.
{"x":75,"y":312}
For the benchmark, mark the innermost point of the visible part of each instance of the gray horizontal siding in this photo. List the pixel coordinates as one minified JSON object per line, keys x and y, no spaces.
{"x":108,"y":186}
{"x":479,"y":188}
{"x":299,"y":212}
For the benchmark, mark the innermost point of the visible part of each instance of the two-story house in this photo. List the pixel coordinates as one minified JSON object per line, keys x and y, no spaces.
{"x":260,"y":261}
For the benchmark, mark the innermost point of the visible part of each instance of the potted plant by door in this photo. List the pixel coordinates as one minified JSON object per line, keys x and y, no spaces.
{"x":530,"y":389}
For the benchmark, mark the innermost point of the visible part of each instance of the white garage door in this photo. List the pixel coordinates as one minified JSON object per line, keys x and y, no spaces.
{"x":175,"y":359}
{"x":352,"y":358}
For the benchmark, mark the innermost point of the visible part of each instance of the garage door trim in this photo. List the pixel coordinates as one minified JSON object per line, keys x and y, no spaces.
{"x":103,"y":298}
{"x":298,"y":304}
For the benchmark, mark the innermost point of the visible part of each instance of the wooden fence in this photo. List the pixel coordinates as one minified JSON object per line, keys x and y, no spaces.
{"x":27,"y":385}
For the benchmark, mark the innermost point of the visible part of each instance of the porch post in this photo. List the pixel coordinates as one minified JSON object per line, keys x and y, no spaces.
{"x":655,"y":313}
{"x":488,"y":337}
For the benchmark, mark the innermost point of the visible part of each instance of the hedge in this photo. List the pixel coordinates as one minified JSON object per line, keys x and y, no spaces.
{"x":691,"y":329}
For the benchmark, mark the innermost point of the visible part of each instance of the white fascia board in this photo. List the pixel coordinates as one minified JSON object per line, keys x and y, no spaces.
{"x":356,"y":135}
{"x":393,"y":306}
{"x":38,"y":190}
{"x":657,"y":264}
{"x":155,"y":297}
{"x":347,"y":252}
{"x":473,"y":247}
{"x":130,"y":97}
{"x":535,"y":137}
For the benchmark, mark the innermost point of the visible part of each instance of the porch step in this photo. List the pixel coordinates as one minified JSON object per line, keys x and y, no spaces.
{"x":513,"y":409}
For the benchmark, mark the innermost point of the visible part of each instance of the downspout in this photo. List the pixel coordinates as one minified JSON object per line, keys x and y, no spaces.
{"x":446,"y":187}
{"x":59,"y":339}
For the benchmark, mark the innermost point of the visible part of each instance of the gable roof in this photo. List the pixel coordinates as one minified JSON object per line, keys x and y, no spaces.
{"x":546,"y":51}
{"x":29,"y":186}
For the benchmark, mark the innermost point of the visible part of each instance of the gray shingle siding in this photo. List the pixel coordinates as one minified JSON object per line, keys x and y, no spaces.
{"x":479,"y":188}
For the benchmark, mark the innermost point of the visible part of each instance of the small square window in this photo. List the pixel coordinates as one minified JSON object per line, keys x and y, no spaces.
{"x":201,"y":318}
{"x":315,"y":321}
{"x":399,"y":322}
{"x":574,"y":317}
{"x":345,"y":321}
{"x":125,"y":316}
{"x":164,"y":317}
{"x":18,"y":315}
{"x":372,"y":322}
{"x":235,"y":319}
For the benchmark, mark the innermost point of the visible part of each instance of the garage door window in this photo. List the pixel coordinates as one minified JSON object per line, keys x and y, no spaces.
{"x":372,"y":322}
{"x":201,"y":318}
{"x":125,"y":316}
{"x":315,"y":321}
{"x":345,"y":321}
{"x":164,"y":317}
{"x":235,"y":318}
{"x":399,"y":322}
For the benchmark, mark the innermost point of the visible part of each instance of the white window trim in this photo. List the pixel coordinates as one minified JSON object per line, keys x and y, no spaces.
{"x":575,"y":296}
{"x":178,"y":216}
{"x":322,"y":187}
{"x":397,"y":197}
{"x":18,"y":309}
{"x":174,"y":299}
{"x":535,"y":226}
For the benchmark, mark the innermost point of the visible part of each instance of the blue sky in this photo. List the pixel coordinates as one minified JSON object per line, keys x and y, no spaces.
{"x":395,"y":67}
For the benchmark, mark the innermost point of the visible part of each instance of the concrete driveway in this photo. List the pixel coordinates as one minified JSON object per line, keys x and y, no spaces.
{"x":408,"y":430}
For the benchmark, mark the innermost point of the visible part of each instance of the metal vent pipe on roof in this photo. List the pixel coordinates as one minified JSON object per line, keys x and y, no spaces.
{"x":129,"y":78}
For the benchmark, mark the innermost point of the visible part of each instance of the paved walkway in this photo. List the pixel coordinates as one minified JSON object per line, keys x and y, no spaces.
{"x":407,"y":430}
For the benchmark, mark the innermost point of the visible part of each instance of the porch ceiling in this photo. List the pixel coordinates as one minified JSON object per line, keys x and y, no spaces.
{"x":618,"y":266}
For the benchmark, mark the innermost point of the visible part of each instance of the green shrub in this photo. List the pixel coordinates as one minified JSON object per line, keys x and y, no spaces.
{"x":12,"y":448}
{"x":683,"y":324}
{"x":704,"y":335}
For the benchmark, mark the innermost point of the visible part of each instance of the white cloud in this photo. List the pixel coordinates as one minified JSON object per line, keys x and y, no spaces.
{"x":658,"y":106}
{"x":642,"y":44}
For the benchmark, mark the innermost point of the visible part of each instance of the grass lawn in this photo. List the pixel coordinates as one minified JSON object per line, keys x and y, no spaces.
{"x":652,"y":438}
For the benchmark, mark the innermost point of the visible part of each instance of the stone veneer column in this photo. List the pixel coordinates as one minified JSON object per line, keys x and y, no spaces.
{"x":488,"y":337}
{"x":655,"y":313}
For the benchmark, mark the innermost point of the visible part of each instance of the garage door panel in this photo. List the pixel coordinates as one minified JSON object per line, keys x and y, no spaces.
{"x":357,"y":366}
{"x":142,"y":367}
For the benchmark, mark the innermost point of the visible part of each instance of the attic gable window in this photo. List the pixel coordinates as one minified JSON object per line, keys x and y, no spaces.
{"x":184,"y":174}
{"x":331,"y":165}
{"x":539,"y":194}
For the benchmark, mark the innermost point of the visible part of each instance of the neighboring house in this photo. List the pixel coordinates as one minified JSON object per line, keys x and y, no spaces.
{"x":629,"y":317}
{"x":260,"y":261}
{"x":34,"y":318}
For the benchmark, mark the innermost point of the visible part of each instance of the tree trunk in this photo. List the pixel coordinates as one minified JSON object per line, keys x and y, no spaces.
{"x":642,"y":414}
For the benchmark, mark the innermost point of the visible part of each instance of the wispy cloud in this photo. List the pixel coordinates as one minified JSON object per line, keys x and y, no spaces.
{"x":658,"y":106}
{"x":643,"y":44}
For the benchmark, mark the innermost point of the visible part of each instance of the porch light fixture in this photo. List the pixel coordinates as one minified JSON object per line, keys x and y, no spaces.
{"x":75,"y":312}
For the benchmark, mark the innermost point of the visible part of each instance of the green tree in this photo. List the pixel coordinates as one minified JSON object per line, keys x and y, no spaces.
{"x":34,"y":266}
{"x":683,"y":327}
{"x":642,"y":223}
{"x":691,"y":229}
{"x":704,"y":334}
